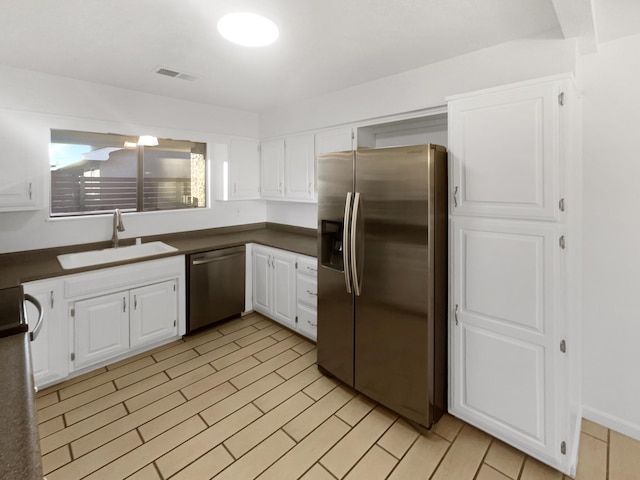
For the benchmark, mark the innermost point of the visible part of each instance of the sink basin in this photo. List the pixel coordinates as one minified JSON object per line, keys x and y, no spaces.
{"x":109,"y":255}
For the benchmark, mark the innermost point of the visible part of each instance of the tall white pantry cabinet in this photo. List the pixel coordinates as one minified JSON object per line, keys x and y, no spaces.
{"x":515,"y":247}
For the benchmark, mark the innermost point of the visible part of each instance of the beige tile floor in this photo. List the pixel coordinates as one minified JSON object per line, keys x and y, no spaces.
{"x":245,"y":400}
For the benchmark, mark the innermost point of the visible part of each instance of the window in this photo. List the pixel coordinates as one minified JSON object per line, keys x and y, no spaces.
{"x":93,"y":173}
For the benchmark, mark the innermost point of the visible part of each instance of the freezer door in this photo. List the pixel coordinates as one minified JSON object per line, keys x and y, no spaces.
{"x":335,"y":300}
{"x":394,"y":341}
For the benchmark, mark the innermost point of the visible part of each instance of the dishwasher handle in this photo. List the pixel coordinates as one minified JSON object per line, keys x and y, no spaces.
{"x":216,"y":259}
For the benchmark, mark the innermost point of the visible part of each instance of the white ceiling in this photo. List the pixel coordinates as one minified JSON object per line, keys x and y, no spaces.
{"x":324,"y":45}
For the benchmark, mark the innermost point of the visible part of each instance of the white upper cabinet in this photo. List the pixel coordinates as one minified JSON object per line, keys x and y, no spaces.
{"x":505,"y":149}
{"x":272,"y":168}
{"x":299,"y":167}
{"x":23,"y":161}
{"x":244,"y":169}
{"x":287,"y":168}
{"x":334,"y":140}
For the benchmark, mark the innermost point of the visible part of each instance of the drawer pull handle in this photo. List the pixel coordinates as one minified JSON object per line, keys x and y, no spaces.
{"x":312,"y":269}
{"x":312,"y":293}
{"x":312,"y":324}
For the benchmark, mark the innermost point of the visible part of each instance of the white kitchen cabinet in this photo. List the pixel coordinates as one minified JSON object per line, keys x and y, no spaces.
{"x":154,"y":313}
{"x":285,"y":288}
{"x":93,"y":318}
{"x":272,"y":169}
{"x":506,"y":337}
{"x":299,"y":167}
{"x":101,"y":328}
{"x":49,"y":351}
{"x":334,"y":140}
{"x":262,"y":280}
{"x":244,"y":169}
{"x":287,"y":168}
{"x":274,"y":284}
{"x":505,"y":148}
{"x":23,"y":160}
{"x":307,"y":296}
{"x":514,"y":336}
{"x":121,"y":309}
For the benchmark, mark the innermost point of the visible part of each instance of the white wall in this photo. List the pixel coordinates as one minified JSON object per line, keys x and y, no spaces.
{"x":40,"y":92}
{"x":56,"y":102}
{"x":424,"y":87}
{"x":611,"y":233}
{"x":292,"y":213}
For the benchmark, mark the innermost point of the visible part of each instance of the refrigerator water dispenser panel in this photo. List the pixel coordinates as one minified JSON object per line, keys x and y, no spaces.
{"x":331,"y":245}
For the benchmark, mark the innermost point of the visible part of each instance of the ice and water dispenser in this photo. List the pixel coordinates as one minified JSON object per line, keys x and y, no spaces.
{"x":331,"y":245}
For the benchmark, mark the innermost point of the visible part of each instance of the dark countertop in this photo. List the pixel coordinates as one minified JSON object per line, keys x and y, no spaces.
{"x":20,"y":267}
{"x":19,"y":441}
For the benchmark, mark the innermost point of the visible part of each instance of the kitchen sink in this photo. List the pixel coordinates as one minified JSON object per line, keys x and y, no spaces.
{"x":109,"y":255}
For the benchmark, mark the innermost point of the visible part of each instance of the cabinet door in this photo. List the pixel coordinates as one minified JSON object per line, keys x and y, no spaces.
{"x":101,"y":328}
{"x":504,"y":146}
{"x":284,"y":288}
{"x":154,"y":313}
{"x":272,"y":168}
{"x":50,"y":350}
{"x":244,"y":169}
{"x":299,"y":167}
{"x":262,"y":280}
{"x":334,"y":140}
{"x":22,"y":158}
{"x":505,"y":358}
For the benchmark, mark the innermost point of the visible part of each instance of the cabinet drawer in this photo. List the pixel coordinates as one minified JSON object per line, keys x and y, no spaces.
{"x":307,"y":288}
{"x":307,"y":321}
{"x":308,"y":266}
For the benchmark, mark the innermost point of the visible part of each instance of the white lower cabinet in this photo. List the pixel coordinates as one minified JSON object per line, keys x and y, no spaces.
{"x":274,"y":284}
{"x":96,"y":317}
{"x":49,"y":349}
{"x":277,"y":288}
{"x":110,"y":325}
{"x":101,"y":329}
{"x":154,"y":313}
{"x":307,"y":296}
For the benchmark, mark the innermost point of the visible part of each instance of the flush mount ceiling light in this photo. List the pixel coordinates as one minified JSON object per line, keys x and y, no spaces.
{"x":248,"y":29}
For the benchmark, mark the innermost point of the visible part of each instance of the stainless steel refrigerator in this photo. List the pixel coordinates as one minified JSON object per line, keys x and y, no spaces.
{"x":382,"y":276}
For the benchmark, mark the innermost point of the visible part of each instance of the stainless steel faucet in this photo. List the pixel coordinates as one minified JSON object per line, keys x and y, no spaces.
{"x":118,"y":226}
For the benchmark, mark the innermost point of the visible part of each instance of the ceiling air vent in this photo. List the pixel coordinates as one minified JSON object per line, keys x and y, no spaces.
{"x":172,"y":73}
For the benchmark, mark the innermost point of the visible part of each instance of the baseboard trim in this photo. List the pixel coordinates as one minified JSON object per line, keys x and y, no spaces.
{"x":611,"y":421}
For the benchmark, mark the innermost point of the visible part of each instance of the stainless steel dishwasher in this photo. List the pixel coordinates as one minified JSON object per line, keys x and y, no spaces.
{"x":215,"y":285}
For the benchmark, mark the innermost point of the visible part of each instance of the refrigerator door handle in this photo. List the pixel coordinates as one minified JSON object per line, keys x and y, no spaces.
{"x":345,"y":243}
{"x":357,"y":285}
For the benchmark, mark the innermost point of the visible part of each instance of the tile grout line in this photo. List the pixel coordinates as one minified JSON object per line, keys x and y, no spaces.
{"x":596,"y":438}
{"x":450,"y":444}
{"x":482,"y":462}
{"x":608,"y":459}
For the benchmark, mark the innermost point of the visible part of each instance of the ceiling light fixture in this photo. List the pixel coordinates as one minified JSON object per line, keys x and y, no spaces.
{"x":248,"y":29}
